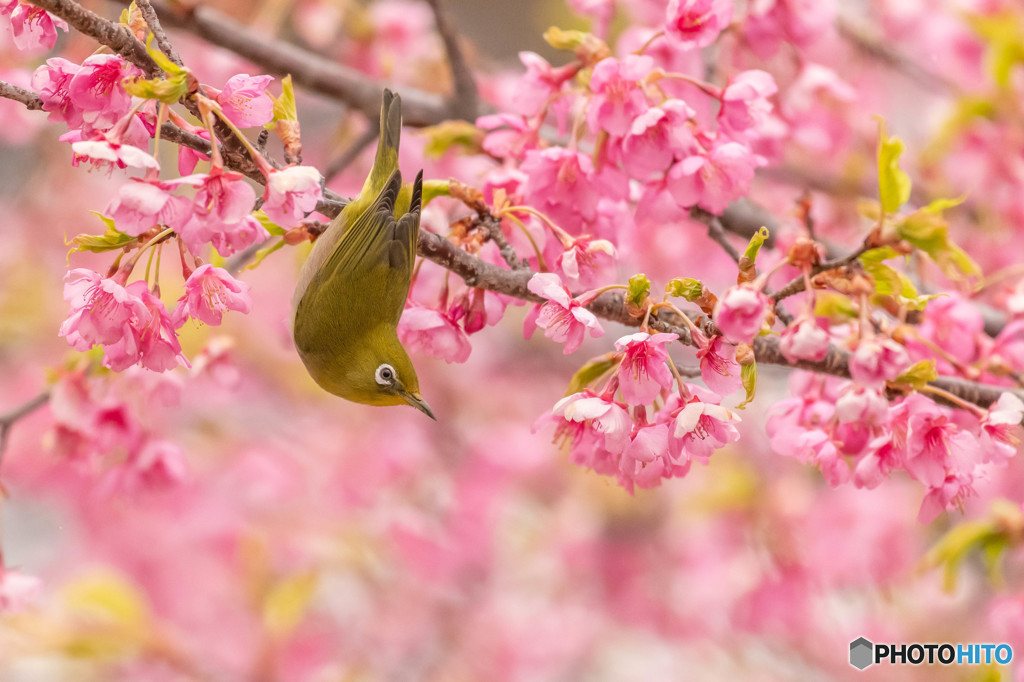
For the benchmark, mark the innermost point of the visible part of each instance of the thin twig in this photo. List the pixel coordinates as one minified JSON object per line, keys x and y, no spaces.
{"x":352,"y":152}
{"x":718,"y":235}
{"x":797,"y":284}
{"x":153,"y":21}
{"x":465,"y":100}
{"x":11,"y":416}
{"x":862,"y":38}
{"x":308,"y":69}
{"x":507,"y":251}
{"x":31,"y":100}
{"x":117,"y":37}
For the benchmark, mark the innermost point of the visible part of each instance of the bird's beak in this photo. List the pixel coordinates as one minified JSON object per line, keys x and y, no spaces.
{"x":417,"y":401}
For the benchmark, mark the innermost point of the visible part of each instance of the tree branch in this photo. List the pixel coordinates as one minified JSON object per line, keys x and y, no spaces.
{"x":31,"y":100}
{"x":153,"y":21}
{"x":307,"y":69}
{"x":117,"y":37}
{"x":11,"y":416}
{"x":465,"y":100}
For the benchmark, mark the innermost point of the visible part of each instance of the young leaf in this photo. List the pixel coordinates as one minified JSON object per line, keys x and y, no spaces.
{"x":893,"y":184}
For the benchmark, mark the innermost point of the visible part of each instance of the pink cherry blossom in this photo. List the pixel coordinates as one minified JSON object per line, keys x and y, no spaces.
{"x":607,"y":419}
{"x":805,"y":339}
{"x":157,"y":465}
{"x":158,"y":346}
{"x":563,"y":184}
{"x":95,"y":88}
{"x":291,"y":193}
{"x":17,"y":590}
{"x":700,"y":428}
{"x":816,"y":447}
{"x":509,"y":136}
{"x":718,"y":366}
{"x":103,"y":312}
{"x":863,"y":405}
{"x":745,"y":102}
{"x":801,"y":22}
{"x":644,"y":371}
{"x":656,"y":138}
{"x":644,"y":461}
{"x":936,"y":446}
{"x":539,"y":84}
{"x":51,"y":80}
{"x":1000,"y":428}
{"x":563,"y":318}
{"x":244,"y":100}
{"x":696,"y":23}
{"x":580,"y":259}
{"x":877,"y":361}
{"x":740,"y":313}
{"x":433,"y":332}
{"x":617,"y":97}
{"x":139,"y":205}
{"x":33,"y":28}
{"x":222,"y":207}
{"x":713,"y":178}
{"x":209,"y":293}
{"x":103,"y":153}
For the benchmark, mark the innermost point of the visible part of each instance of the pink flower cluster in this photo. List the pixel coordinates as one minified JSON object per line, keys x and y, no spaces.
{"x":853,"y":434}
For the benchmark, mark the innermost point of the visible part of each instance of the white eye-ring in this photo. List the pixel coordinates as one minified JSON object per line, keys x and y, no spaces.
{"x":386,"y":375}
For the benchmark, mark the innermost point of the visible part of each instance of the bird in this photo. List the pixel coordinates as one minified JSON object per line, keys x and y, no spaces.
{"x":353,"y":286}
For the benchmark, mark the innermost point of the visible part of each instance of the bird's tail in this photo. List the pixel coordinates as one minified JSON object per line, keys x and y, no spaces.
{"x":386,"y":160}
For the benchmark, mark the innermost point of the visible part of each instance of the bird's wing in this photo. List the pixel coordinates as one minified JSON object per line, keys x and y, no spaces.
{"x":402,"y":249}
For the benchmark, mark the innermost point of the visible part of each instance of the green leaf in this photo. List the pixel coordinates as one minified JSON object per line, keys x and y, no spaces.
{"x":435,"y":188}
{"x":893,"y":184}
{"x":166,"y":90}
{"x":639,"y":287}
{"x":755,"y":243}
{"x":448,"y":134}
{"x":989,"y":537}
{"x":927,"y":230}
{"x":685,"y":287}
{"x":891,"y":282}
{"x":263,"y":253}
{"x":589,"y":373}
{"x":285,"y":108}
{"x":834,"y":306}
{"x":748,"y":373}
{"x":1003,"y":32}
{"x":111,"y":240}
{"x":919,"y":374}
{"x":268,"y":224}
{"x":564,"y":40}
{"x":287,"y":603}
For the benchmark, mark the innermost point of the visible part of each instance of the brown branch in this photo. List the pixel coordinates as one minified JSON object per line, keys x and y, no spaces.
{"x":873,"y":46}
{"x":307,"y":69}
{"x":16,"y":413}
{"x":31,"y":100}
{"x":465,"y":100}
{"x":117,"y":37}
{"x":797,"y":284}
{"x":345,"y":159}
{"x":159,"y":35}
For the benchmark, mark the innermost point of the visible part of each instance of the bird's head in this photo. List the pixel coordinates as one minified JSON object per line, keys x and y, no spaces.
{"x":377,"y":372}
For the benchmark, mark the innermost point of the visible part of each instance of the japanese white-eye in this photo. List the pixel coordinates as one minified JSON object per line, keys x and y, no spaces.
{"x":352,"y":288}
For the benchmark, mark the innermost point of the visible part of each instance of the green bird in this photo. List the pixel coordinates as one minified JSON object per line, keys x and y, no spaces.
{"x":352,"y":288}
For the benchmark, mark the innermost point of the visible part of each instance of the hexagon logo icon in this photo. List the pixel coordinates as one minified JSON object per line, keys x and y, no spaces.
{"x":861,"y":653}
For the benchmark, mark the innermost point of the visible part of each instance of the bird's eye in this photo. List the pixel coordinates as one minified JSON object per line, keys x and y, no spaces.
{"x":385,"y":375}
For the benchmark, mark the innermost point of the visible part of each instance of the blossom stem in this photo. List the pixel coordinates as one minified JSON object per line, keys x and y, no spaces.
{"x":707,"y":88}
{"x":946,"y":395}
{"x":541,"y":265}
{"x":686,"y":318}
{"x":562,"y":235}
{"x":679,"y":379}
{"x":650,"y":41}
{"x":257,"y":157}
